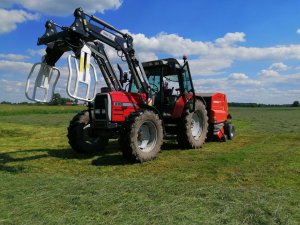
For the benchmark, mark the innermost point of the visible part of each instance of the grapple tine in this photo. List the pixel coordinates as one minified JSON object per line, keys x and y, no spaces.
{"x":38,"y":90}
{"x":83,"y":77}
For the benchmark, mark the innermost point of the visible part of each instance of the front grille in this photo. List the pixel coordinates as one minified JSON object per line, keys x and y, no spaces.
{"x":101,"y":104}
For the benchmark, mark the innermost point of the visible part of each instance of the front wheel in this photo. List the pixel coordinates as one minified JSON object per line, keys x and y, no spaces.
{"x":142,"y":137}
{"x":193,"y":127}
{"x":80,"y":136}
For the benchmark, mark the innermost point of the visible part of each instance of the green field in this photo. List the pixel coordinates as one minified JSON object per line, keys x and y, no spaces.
{"x":254,"y":179}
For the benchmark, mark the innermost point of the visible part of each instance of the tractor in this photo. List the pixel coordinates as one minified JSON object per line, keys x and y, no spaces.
{"x":150,"y":102}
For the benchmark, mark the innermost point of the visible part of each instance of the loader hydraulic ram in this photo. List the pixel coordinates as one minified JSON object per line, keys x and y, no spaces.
{"x":153,"y":100}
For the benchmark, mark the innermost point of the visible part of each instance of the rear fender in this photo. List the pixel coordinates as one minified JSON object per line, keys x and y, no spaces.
{"x":183,"y":103}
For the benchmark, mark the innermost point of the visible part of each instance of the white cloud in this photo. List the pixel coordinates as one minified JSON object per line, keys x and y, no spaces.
{"x":10,"y":85}
{"x":292,"y":80}
{"x":240,"y":87}
{"x":214,"y":57}
{"x":234,"y":81}
{"x":238,"y":76}
{"x":63,"y":8}
{"x":273,"y":70}
{"x":12,"y":90}
{"x":268,"y":95}
{"x":39,"y":52}
{"x":146,"y":56}
{"x":13,"y":56}
{"x":242,"y":79}
{"x":10,"y":18}
{"x":274,"y":53}
{"x":278,"y":66}
{"x":209,"y":66}
{"x":269,"y":73}
{"x":209,"y":59}
{"x":231,"y":38}
{"x":298,"y":31}
{"x":171,"y":44}
{"x":14,"y":67}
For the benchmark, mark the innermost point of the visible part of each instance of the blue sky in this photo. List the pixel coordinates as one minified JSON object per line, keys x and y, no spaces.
{"x":249,"y":50}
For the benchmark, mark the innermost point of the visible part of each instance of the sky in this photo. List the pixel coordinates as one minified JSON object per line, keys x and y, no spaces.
{"x":249,"y":50}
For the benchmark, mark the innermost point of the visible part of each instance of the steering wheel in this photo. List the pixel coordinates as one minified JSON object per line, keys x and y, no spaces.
{"x":154,"y":88}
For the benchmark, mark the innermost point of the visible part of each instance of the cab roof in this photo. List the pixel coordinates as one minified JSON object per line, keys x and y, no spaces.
{"x":161,"y":62}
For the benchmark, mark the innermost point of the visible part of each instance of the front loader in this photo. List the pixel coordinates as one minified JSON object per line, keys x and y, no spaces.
{"x":152,"y":101}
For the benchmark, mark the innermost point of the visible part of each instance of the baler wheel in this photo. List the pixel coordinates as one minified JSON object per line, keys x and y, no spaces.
{"x":80,"y":137}
{"x":142,"y":137}
{"x":230,"y":131}
{"x":193,"y":127}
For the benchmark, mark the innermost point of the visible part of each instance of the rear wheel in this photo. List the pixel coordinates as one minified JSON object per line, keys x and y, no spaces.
{"x":193,"y":127}
{"x":80,"y":135}
{"x":142,"y":137}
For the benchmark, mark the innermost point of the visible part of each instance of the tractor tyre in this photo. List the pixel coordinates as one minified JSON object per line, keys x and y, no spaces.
{"x":229,"y":131}
{"x":80,"y":137}
{"x":193,"y":127}
{"x":142,"y":137}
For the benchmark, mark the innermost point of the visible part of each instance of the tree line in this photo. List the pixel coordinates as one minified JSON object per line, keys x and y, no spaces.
{"x":239,"y":104}
{"x":57,"y":99}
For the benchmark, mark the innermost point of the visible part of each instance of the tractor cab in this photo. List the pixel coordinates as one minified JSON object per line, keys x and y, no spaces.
{"x":169,"y":82}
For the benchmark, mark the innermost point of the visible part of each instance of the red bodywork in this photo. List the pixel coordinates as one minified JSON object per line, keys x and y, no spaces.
{"x":217,"y":106}
{"x":180,"y":104}
{"x":217,"y":109}
{"x":124,"y":103}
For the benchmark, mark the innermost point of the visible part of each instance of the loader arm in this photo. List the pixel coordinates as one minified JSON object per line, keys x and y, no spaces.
{"x":91,"y":31}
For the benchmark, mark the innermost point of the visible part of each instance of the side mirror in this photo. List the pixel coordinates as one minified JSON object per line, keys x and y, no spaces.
{"x":123,"y":76}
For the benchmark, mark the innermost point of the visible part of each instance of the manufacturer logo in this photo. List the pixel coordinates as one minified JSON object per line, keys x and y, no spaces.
{"x":108,"y":35}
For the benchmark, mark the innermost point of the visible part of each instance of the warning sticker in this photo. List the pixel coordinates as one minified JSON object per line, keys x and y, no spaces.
{"x":150,"y":102}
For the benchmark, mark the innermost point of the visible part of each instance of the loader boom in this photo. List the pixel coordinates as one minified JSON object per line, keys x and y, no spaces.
{"x":88,"y":31}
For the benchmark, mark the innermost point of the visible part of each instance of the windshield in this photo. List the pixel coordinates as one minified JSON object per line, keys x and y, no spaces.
{"x":163,"y":78}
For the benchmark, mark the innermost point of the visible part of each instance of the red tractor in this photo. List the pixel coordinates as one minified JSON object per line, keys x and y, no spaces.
{"x":153,"y":101}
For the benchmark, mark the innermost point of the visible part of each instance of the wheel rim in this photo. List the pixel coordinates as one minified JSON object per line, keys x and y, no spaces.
{"x":196,"y":125}
{"x":147,"y":136}
{"x":86,"y":136}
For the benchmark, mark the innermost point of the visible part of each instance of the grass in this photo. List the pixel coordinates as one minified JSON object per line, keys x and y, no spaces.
{"x":8,"y":110}
{"x":251,"y":180}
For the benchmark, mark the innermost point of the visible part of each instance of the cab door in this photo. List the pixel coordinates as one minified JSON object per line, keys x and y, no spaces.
{"x":187,"y":92}
{"x":186,"y":80}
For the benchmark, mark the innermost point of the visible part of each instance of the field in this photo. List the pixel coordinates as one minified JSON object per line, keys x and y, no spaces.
{"x":254,"y":179}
